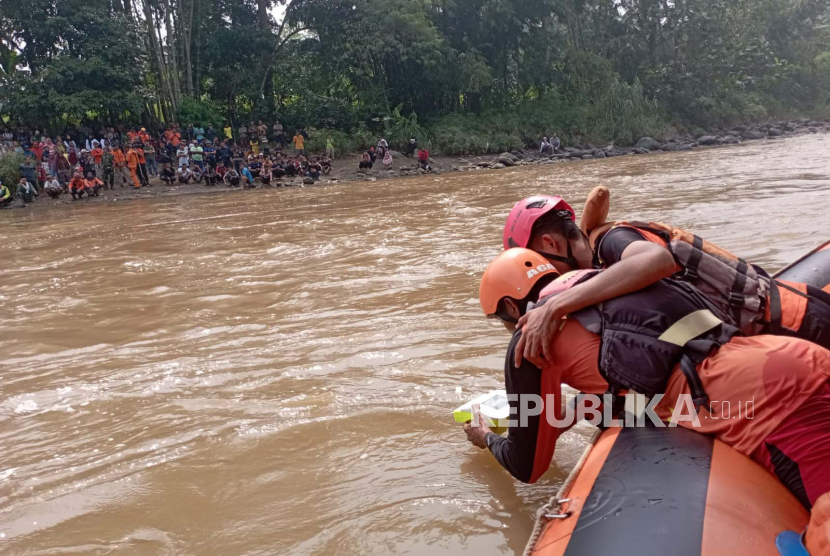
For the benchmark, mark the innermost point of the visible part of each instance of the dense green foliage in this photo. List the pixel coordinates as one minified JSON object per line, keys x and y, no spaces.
{"x":10,"y":169}
{"x":466,"y":76}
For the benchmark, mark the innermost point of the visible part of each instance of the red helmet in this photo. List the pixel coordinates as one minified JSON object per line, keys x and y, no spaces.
{"x":526,"y":212}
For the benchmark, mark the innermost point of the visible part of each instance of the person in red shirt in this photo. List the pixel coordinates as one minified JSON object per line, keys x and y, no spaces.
{"x":782,"y":383}
{"x":423,"y":159}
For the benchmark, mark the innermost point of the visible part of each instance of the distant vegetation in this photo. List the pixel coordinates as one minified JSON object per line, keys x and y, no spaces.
{"x":465,"y":76}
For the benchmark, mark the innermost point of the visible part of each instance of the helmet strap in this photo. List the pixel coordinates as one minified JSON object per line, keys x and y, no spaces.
{"x":570,"y":260}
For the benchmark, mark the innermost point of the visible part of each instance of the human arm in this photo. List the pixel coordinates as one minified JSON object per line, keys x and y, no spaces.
{"x":641,"y":263}
{"x":521,"y":453}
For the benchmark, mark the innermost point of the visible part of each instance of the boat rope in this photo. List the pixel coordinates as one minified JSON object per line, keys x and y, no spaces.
{"x":555,"y":502}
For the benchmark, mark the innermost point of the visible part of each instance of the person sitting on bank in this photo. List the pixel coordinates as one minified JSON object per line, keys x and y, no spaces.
{"x":365,"y":162}
{"x":265,"y":172}
{"x":231,"y":178}
{"x":77,"y":187}
{"x":211,"y":177}
{"x":314,"y":169}
{"x":185,"y":175}
{"x":53,"y":187}
{"x":5,"y":195}
{"x":247,"y":177}
{"x":612,"y":347}
{"x":545,"y":146}
{"x":555,"y":143}
{"x":93,"y":185}
{"x":168,"y":174}
{"x":26,"y":191}
{"x":423,"y":159}
{"x":326,"y":163}
{"x":197,"y":174}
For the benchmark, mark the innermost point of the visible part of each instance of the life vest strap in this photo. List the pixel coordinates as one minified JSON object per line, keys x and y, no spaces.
{"x":690,"y":327}
{"x":695,"y":258}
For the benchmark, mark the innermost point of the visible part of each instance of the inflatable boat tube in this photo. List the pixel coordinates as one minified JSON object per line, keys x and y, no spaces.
{"x":672,"y":491}
{"x":812,"y":269}
{"x":661,"y":491}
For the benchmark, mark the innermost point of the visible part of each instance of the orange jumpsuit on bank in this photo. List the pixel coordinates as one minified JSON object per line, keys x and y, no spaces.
{"x":132,"y":164}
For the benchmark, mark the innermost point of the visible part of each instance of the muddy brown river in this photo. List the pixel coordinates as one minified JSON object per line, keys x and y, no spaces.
{"x":272,"y":372}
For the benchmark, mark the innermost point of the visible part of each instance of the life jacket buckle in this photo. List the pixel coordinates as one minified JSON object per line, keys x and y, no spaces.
{"x":690,"y":274}
{"x":736,"y":299}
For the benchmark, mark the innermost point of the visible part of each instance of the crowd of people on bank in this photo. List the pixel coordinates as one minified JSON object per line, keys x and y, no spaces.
{"x":84,"y":161}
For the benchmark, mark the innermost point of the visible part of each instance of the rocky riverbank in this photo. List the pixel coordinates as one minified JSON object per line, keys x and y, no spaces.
{"x":345,"y":170}
{"x":649,"y":145}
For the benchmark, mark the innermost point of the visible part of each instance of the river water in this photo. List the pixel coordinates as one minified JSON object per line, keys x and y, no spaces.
{"x":272,"y":372}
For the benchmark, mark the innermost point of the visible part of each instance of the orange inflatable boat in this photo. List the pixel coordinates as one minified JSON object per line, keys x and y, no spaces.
{"x":672,"y":491}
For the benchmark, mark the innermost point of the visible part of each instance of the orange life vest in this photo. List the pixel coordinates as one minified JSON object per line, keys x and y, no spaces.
{"x":743,"y":291}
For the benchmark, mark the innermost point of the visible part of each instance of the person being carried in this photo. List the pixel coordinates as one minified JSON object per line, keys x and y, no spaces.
{"x":387,"y":160}
{"x":638,"y":255}
{"x":613,"y":347}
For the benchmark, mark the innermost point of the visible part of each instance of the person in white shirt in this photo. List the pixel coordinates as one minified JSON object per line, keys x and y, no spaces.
{"x":53,"y":187}
{"x":185,"y":174}
{"x":182,"y":155}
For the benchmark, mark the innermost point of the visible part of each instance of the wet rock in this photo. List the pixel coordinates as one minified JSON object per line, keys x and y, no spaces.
{"x":397,"y":156}
{"x":640,"y":151}
{"x":813,"y":130}
{"x":308,"y":181}
{"x":648,"y":143}
{"x":511,"y":156}
{"x":506,"y":160}
{"x":587,"y":157}
{"x":599,"y":154}
{"x":739,"y":128}
{"x":753,"y":135}
{"x":729,"y":140}
{"x":707,"y":140}
{"x":774,"y":132}
{"x":498,"y":166}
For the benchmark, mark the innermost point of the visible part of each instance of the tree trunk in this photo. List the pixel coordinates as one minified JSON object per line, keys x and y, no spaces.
{"x":197,"y":79}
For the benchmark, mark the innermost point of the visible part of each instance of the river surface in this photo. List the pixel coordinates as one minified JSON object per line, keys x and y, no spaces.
{"x":273,"y":372}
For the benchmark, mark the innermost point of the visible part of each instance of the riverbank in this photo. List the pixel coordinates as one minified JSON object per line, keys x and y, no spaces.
{"x":345,"y":171}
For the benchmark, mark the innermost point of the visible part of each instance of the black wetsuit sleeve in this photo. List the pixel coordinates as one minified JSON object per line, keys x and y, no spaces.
{"x":615,"y":242}
{"x":517,"y":452}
